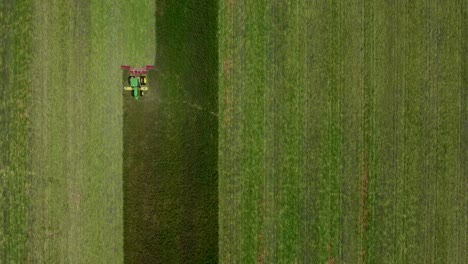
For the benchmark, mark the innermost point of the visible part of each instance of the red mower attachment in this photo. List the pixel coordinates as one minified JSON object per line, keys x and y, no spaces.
{"x":137,"y":71}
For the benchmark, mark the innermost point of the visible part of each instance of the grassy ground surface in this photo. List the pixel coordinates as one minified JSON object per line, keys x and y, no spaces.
{"x":61,"y":109}
{"x":343,"y":132}
{"x":170,"y":143}
{"x":77,"y":132}
{"x":15,"y":157}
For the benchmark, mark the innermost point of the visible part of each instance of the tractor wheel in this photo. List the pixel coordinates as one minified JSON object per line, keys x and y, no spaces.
{"x":143,"y":80}
{"x":129,"y":78}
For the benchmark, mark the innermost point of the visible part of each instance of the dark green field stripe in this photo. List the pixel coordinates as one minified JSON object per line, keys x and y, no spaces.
{"x":275,"y":54}
{"x":334,"y":145}
{"x":400,"y":134}
{"x":448,"y":138}
{"x":15,"y":124}
{"x":381,"y":132}
{"x":314,"y":130}
{"x":430,"y":132}
{"x":352,"y":141}
{"x":368,"y":173}
{"x":170,"y":139}
{"x":463,"y":133}
{"x":415,"y":73}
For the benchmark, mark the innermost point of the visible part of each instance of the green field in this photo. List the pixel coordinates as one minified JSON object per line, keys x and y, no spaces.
{"x":61,"y":169}
{"x":343,"y":131}
{"x":79,"y":180}
{"x":273,"y":132}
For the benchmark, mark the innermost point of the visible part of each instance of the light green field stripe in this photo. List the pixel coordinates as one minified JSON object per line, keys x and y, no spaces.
{"x":238,"y":178}
{"x":73,"y":202}
{"x":269,"y":161}
{"x":352,"y":102}
{"x":253,"y":197}
{"x":237,"y":57}
{"x":275,"y":125}
{"x":229,"y":177}
{"x":102,"y":178}
{"x":78,"y":89}
{"x":223,"y":223}
{"x":50,"y":216}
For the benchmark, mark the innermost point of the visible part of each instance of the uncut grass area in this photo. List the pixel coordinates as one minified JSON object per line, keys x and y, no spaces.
{"x":343,"y":132}
{"x":15,"y":125}
{"x":170,"y":143}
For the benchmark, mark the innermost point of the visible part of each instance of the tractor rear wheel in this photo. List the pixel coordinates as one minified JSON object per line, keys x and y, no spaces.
{"x":143,"y":80}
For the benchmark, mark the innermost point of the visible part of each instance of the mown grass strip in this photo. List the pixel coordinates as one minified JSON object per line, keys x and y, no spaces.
{"x":77,"y":155}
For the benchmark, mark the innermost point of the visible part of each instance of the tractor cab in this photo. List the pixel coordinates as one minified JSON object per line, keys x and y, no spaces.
{"x":134,"y":82}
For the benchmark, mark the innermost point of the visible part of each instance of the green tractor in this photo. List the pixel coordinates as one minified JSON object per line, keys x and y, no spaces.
{"x":137,"y":80}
